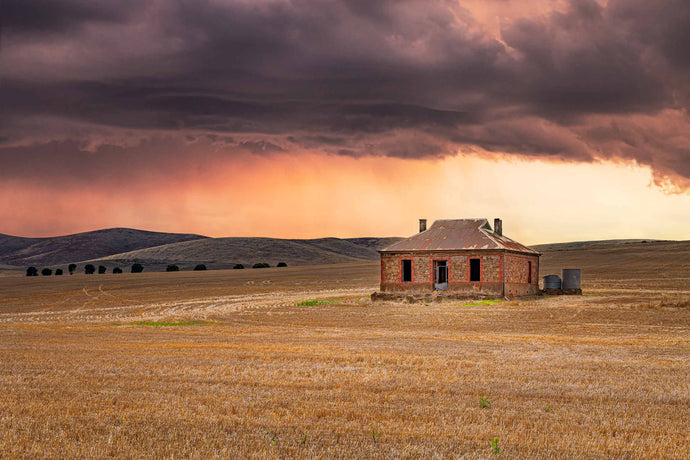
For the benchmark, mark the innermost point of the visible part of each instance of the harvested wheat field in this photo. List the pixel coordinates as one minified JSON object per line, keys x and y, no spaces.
{"x":299,"y":363}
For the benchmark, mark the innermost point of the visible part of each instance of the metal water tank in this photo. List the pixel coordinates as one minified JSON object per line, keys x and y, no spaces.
{"x":571,"y":278}
{"x":552,"y":282}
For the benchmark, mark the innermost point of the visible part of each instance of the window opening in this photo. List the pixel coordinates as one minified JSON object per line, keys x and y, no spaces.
{"x":475,"y":271}
{"x":529,"y":272}
{"x":407,"y":271}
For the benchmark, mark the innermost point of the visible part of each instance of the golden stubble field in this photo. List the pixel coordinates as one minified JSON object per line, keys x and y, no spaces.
{"x":228,"y":364}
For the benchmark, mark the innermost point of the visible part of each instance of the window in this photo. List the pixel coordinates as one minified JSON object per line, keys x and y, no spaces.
{"x":529,"y":272}
{"x":475,"y":270}
{"x":406,"y":271}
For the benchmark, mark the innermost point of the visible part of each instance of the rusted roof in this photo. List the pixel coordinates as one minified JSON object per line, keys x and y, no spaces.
{"x":458,"y":234}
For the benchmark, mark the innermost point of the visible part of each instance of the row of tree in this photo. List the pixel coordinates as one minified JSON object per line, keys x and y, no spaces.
{"x":260,"y":265}
{"x":90,"y":269}
{"x":175,"y":268}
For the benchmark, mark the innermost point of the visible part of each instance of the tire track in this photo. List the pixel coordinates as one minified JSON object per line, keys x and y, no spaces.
{"x":202,"y":308}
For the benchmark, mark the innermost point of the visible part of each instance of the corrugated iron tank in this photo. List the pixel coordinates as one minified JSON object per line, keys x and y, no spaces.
{"x":571,"y":278}
{"x":552,"y":282}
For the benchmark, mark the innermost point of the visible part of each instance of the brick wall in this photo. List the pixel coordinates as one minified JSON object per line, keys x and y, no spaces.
{"x":517,"y":269}
{"x":517,"y":275}
{"x":459,"y":269}
{"x":391,"y":265}
{"x":491,"y":281}
{"x":491,"y":268}
{"x":421,"y":270}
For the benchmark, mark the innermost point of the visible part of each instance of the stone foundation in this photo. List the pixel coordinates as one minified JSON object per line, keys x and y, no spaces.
{"x":428,"y":297}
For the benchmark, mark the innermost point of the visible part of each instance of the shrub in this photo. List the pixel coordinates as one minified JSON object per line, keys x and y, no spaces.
{"x":32,"y":271}
{"x":172,"y":268}
{"x":137,"y":268}
{"x":58,"y":272}
{"x":261,"y":265}
{"x":374,"y":434}
{"x":101,"y":269}
{"x":238,"y":267}
{"x":200,"y":267}
{"x":89,"y":269}
{"x":495,"y":448}
{"x":117,"y":270}
{"x":281,"y":264}
{"x":71,"y":268}
{"x":46,"y":272}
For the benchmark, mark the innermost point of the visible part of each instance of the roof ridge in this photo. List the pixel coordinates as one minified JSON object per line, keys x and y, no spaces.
{"x":457,"y":234}
{"x":492,"y":236}
{"x":460,"y":220}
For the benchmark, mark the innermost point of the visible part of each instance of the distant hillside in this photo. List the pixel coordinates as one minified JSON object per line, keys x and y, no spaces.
{"x":588,"y":244}
{"x":374,"y":243}
{"x":225,"y":252}
{"x":18,"y":251}
{"x":620,"y":259}
{"x":121,"y":247}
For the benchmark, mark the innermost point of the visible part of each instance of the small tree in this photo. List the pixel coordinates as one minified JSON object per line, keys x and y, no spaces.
{"x":58,"y":272}
{"x":261,"y":265}
{"x":172,"y":268}
{"x":101,"y":269}
{"x":46,"y":272}
{"x":199,"y":267}
{"x":238,"y":267}
{"x":117,"y":270}
{"x":281,"y":264}
{"x":89,"y":269}
{"x":32,"y":271}
{"x":137,"y":268}
{"x":71,"y":268}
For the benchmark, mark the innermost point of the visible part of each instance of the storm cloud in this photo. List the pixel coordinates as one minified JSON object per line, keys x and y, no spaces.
{"x":86,"y":83}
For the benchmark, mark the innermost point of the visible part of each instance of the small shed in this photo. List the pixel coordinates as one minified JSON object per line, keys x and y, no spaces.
{"x":460,"y":257}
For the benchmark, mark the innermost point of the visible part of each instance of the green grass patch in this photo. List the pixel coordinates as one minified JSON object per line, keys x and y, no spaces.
{"x":164,"y":323}
{"x":313,"y":303}
{"x":477,"y":303}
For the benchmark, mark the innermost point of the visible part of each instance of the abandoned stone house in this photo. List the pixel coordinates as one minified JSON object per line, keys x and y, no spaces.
{"x":463,"y":256}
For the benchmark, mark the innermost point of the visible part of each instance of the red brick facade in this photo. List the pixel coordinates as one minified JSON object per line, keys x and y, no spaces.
{"x":520,"y":277}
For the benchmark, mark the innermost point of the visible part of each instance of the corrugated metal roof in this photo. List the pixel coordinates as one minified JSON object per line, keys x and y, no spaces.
{"x":457,"y":234}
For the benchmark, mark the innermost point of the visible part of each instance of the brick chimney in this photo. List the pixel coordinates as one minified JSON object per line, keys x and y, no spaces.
{"x":422,"y":225}
{"x":498,"y":226}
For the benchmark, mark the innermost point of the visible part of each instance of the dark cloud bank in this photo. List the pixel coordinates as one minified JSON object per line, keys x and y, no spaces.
{"x":91,"y":87}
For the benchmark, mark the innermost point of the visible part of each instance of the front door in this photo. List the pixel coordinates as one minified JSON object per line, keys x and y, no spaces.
{"x":440,"y":274}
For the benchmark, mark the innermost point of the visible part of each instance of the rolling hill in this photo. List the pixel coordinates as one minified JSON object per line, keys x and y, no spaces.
{"x":123,"y":246}
{"x":594,"y":257}
{"x":19,"y":251}
{"x":589,"y":244}
{"x":619,"y":259}
{"x":225,"y":252}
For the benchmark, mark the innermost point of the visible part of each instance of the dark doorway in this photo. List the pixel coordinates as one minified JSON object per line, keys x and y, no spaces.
{"x":441,"y":274}
{"x":406,"y":271}
{"x":529,"y":272}
{"x":475,"y":270}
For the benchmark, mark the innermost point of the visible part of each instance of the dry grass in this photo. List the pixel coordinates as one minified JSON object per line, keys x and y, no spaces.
{"x":111,"y":367}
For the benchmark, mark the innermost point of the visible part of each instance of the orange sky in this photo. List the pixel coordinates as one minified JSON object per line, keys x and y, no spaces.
{"x":309,"y":196}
